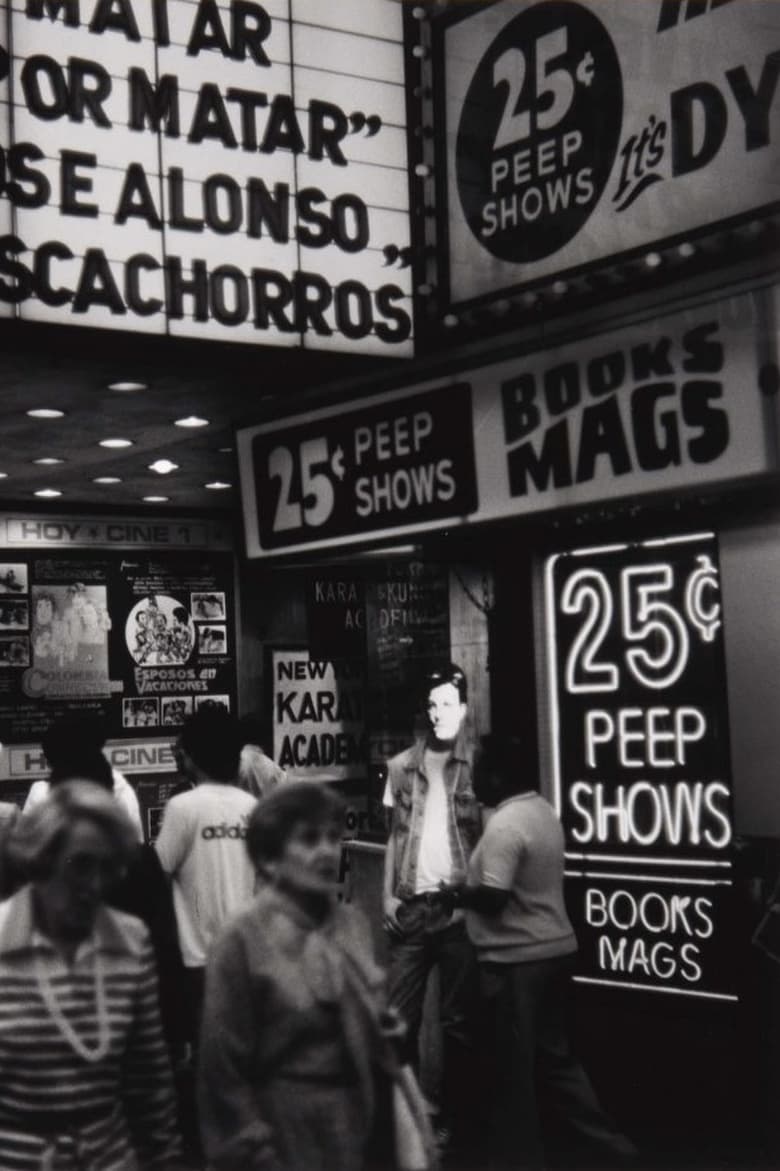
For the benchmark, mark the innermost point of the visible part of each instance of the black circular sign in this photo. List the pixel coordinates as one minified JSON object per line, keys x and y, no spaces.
{"x":539,"y":131}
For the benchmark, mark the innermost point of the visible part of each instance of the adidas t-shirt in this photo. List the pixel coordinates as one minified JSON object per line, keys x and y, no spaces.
{"x":202,"y":847}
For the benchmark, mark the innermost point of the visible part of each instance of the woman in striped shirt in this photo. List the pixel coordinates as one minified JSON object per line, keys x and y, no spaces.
{"x":85,"y":1083}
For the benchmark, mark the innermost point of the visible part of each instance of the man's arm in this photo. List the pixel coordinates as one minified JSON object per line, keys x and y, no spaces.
{"x":485,"y":900}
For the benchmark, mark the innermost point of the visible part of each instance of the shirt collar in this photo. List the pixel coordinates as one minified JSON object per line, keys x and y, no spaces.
{"x":18,"y":931}
{"x":460,"y":751}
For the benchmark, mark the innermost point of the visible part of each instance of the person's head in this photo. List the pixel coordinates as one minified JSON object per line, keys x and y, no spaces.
{"x":44,"y":609}
{"x":69,"y":737}
{"x":78,"y":595}
{"x":502,"y":769}
{"x":250,"y":727}
{"x":294,"y":836}
{"x":445,"y":692}
{"x":209,"y":745}
{"x":88,"y":764}
{"x":73,"y":847}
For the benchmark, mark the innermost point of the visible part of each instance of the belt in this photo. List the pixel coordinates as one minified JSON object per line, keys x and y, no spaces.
{"x":431,"y":898}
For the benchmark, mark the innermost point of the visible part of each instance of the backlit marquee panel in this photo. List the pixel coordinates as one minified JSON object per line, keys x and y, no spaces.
{"x":641,"y":769}
{"x":210,"y":169}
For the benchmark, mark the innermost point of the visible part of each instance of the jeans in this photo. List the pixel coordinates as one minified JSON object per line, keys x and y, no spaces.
{"x":524,"y":1018}
{"x":431,"y":937}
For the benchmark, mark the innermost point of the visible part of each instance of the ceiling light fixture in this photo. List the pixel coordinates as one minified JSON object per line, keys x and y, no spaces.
{"x":217,"y":485}
{"x":3,"y":475}
{"x":156,"y":499}
{"x":116,"y":443}
{"x":191,"y":421}
{"x":48,"y":460}
{"x":47,"y":492}
{"x":45,"y":413}
{"x":126,"y":387}
{"x":163,"y":467}
{"x":107,"y":480}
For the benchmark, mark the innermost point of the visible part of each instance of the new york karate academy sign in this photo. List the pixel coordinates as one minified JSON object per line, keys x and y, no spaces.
{"x":640,"y":753}
{"x":577,"y":132}
{"x":221,"y":169}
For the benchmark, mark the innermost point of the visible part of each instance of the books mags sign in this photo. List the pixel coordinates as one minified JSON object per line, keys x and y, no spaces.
{"x":639,"y":743}
{"x":580,"y":132}
{"x":157,"y":173}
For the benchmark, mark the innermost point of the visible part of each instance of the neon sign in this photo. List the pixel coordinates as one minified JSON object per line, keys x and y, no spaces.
{"x":639,"y":745}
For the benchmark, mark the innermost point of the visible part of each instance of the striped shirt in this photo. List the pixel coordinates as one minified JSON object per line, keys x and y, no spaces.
{"x":56,"y":1108}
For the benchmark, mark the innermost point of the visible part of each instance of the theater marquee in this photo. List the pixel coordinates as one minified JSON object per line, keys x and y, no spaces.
{"x":221,"y":170}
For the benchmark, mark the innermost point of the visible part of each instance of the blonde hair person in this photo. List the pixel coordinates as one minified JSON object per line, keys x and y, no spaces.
{"x":84,"y":1073}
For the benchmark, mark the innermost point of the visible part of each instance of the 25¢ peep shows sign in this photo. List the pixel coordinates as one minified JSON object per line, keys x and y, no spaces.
{"x":580,"y":131}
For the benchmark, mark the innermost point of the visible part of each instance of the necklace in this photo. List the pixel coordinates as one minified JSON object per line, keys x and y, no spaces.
{"x":49,"y":996}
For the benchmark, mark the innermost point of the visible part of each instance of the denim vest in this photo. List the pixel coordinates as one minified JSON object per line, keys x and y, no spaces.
{"x":409,"y":787}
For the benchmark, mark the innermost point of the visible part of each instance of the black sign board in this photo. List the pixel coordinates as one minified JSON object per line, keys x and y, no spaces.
{"x":395,"y":462}
{"x":641,"y":761}
{"x":141,"y":638}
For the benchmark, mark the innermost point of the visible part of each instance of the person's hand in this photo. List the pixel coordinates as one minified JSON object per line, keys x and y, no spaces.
{"x":391,"y":924}
{"x":450,"y":896}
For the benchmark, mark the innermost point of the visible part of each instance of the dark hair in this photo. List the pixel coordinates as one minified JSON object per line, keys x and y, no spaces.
{"x":442,"y":673}
{"x":69,"y":737}
{"x":502,"y":769}
{"x":210,"y":736}
{"x":251,"y":727}
{"x":88,"y":764}
{"x":274,"y":818}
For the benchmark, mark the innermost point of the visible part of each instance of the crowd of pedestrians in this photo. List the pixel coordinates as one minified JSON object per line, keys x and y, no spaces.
{"x":209,"y":1001}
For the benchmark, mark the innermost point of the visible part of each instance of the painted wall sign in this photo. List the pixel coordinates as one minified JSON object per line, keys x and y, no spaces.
{"x":218,"y":169}
{"x":638,"y":736}
{"x":669,"y":404}
{"x":398,"y":459}
{"x":579,"y":132}
{"x":318,"y":717}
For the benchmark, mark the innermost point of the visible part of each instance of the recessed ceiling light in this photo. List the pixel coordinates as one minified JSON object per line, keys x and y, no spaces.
{"x":156,"y":499}
{"x":48,"y":460}
{"x":3,"y":475}
{"x":163,"y":467}
{"x":217,"y":485}
{"x":107,"y":480}
{"x":224,"y":450}
{"x":116,"y":443}
{"x":127,"y":386}
{"x":191,"y":421}
{"x":47,"y":492}
{"x":45,"y":413}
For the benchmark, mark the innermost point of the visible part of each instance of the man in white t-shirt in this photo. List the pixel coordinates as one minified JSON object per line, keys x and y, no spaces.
{"x":201,"y":843}
{"x":435,"y":822}
{"x":67,"y":745}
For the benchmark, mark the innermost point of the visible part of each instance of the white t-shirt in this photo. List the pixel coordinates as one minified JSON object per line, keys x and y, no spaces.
{"x":434,"y":856}
{"x":202,"y":847}
{"x":123,"y":791}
